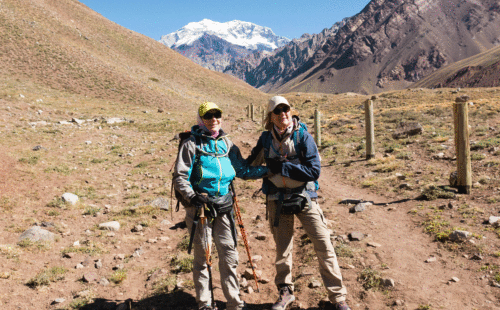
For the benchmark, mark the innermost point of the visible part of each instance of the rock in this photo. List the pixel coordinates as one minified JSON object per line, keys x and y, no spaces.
{"x":90,"y":277}
{"x":256,"y":258}
{"x":243,"y":283}
{"x":264,"y":280}
{"x":374,"y":244}
{"x":152,"y":240}
{"x":451,"y":205}
{"x":113,"y":226}
{"x":58,"y":301}
{"x":70,"y":198}
{"x":455,"y":279}
{"x":98,"y":264}
{"x":314,"y":284}
{"x":431,"y":259}
{"x":454,"y":179}
{"x":356,"y":236}
{"x":260,"y":236}
{"x":406,"y":129}
{"x":248,"y":274}
{"x":37,"y":148}
{"x":119,"y":257}
{"x":104,"y":282}
{"x":36,"y":234}
{"x":118,"y":267}
{"x":477,"y":257}
{"x":87,"y":261}
{"x":69,"y":255}
{"x":137,"y":228}
{"x":77,"y":121}
{"x":164,"y":239}
{"x":249,"y":290}
{"x":399,"y":303}
{"x":360,"y":207}
{"x":493,"y":220}
{"x":388,"y":282}
{"x":161,"y":203}
{"x":347,"y":266}
{"x":459,"y":235}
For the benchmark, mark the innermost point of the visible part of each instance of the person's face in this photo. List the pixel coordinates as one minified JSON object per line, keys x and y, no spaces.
{"x":212,"y":120}
{"x":281,"y":116}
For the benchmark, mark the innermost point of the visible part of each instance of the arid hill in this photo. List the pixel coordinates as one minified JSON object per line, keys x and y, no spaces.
{"x":65,"y":46}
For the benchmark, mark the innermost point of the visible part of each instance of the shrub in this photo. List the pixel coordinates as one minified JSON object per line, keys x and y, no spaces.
{"x":46,"y":276}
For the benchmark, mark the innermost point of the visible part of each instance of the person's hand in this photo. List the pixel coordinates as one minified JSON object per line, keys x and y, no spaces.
{"x":275,"y":165}
{"x":198,"y":201}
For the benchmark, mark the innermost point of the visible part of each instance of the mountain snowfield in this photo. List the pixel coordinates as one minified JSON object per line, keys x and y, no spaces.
{"x":248,"y":35}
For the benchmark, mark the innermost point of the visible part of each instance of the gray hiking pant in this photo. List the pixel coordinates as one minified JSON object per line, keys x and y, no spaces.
{"x":314,"y":223}
{"x":220,"y":229}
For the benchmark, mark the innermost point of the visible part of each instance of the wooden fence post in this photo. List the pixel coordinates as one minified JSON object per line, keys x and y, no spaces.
{"x":370,"y":130}
{"x":248,"y":111}
{"x":252,"y":112}
{"x":462,"y":145}
{"x":263,"y":117}
{"x":317,"y":127}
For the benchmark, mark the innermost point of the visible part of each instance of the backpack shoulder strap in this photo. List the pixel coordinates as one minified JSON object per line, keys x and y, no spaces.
{"x":267,"y":138}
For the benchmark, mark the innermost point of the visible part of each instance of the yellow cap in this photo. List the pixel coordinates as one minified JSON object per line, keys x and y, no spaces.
{"x":207,"y":106}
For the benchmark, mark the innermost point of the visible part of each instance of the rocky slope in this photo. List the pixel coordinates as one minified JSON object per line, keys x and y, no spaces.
{"x":388,"y":45}
{"x":477,"y":71}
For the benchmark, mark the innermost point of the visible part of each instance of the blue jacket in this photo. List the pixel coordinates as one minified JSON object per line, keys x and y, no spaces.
{"x":302,"y":165}
{"x":211,"y":166}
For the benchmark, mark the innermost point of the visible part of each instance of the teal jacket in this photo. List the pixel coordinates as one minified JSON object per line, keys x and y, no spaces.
{"x":208,"y":165}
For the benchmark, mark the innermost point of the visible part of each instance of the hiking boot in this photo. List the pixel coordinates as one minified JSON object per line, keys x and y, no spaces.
{"x":286,"y":298}
{"x":341,"y":306}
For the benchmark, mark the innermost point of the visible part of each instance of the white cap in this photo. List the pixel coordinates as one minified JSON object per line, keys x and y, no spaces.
{"x":276,"y":101}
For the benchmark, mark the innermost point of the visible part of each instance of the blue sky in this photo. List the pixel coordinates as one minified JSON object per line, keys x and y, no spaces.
{"x":288,"y":18}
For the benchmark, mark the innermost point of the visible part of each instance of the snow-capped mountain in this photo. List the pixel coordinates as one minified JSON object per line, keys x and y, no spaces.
{"x":248,"y":35}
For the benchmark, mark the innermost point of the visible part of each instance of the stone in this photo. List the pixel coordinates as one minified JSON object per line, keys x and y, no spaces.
{"x":70,"y":198}
{"x":493,"y":220}
{"x":455,"y":279}
{"x":431,"y":259}
{"x":163,"y":239}
{"x":113,"y":226}
{"x":356,"y":236}
{"x":119,"y":257}
{"x":388,"y":282}
{"x":118,"y":267}
{"x":260,"y":236}
{"x":90,"y":277}
{"x":406,"y":129}
{"x":374,"y":244}
{"x":248,"y":274}
{"x":314,"y":284}
{"x":243,"y":283}
{"x":58,"y":301}
{"x":454,"y":179}
{"x":459,"y":235}
{"x":256,"y":258}
{"x":137,"y":228}
{"x":161,"y":203}
{"x":249,"y":290}
{"x":98,"y":264}
{"x":360,"y":207}
{"x":104,"y":282}
{"x":87,"y":261}
{"x":37,"y":234}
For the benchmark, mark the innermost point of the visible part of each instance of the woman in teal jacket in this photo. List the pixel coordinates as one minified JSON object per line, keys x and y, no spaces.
{"x":207,"y":164}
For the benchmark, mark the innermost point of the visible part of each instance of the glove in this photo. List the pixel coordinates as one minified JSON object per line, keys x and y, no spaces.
{"x":198,"y":201}
{"x":275,"y":165}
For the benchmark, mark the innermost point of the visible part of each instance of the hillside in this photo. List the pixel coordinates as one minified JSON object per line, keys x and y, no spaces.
{"x":64,"y":46}
{"x":477,"y":71}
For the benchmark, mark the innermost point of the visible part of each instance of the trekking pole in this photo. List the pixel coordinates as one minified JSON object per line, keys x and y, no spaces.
{"x":208,"y":255}
{"x":243,"y":234}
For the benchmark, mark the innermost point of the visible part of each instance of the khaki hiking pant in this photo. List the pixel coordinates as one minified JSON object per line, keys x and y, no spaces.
{"x":314,"y":224}
{"x":220,"y":229}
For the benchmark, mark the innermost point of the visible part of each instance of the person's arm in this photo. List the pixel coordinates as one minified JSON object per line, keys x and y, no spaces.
{"x":256,"y":157}
{"x":310,"y":166}
{"x":182,"y":171}
{"x":242,"y":167}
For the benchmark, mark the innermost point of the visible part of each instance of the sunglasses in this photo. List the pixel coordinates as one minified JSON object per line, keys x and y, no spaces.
{"x":278,"y":110}
{"x":210,"y":115}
